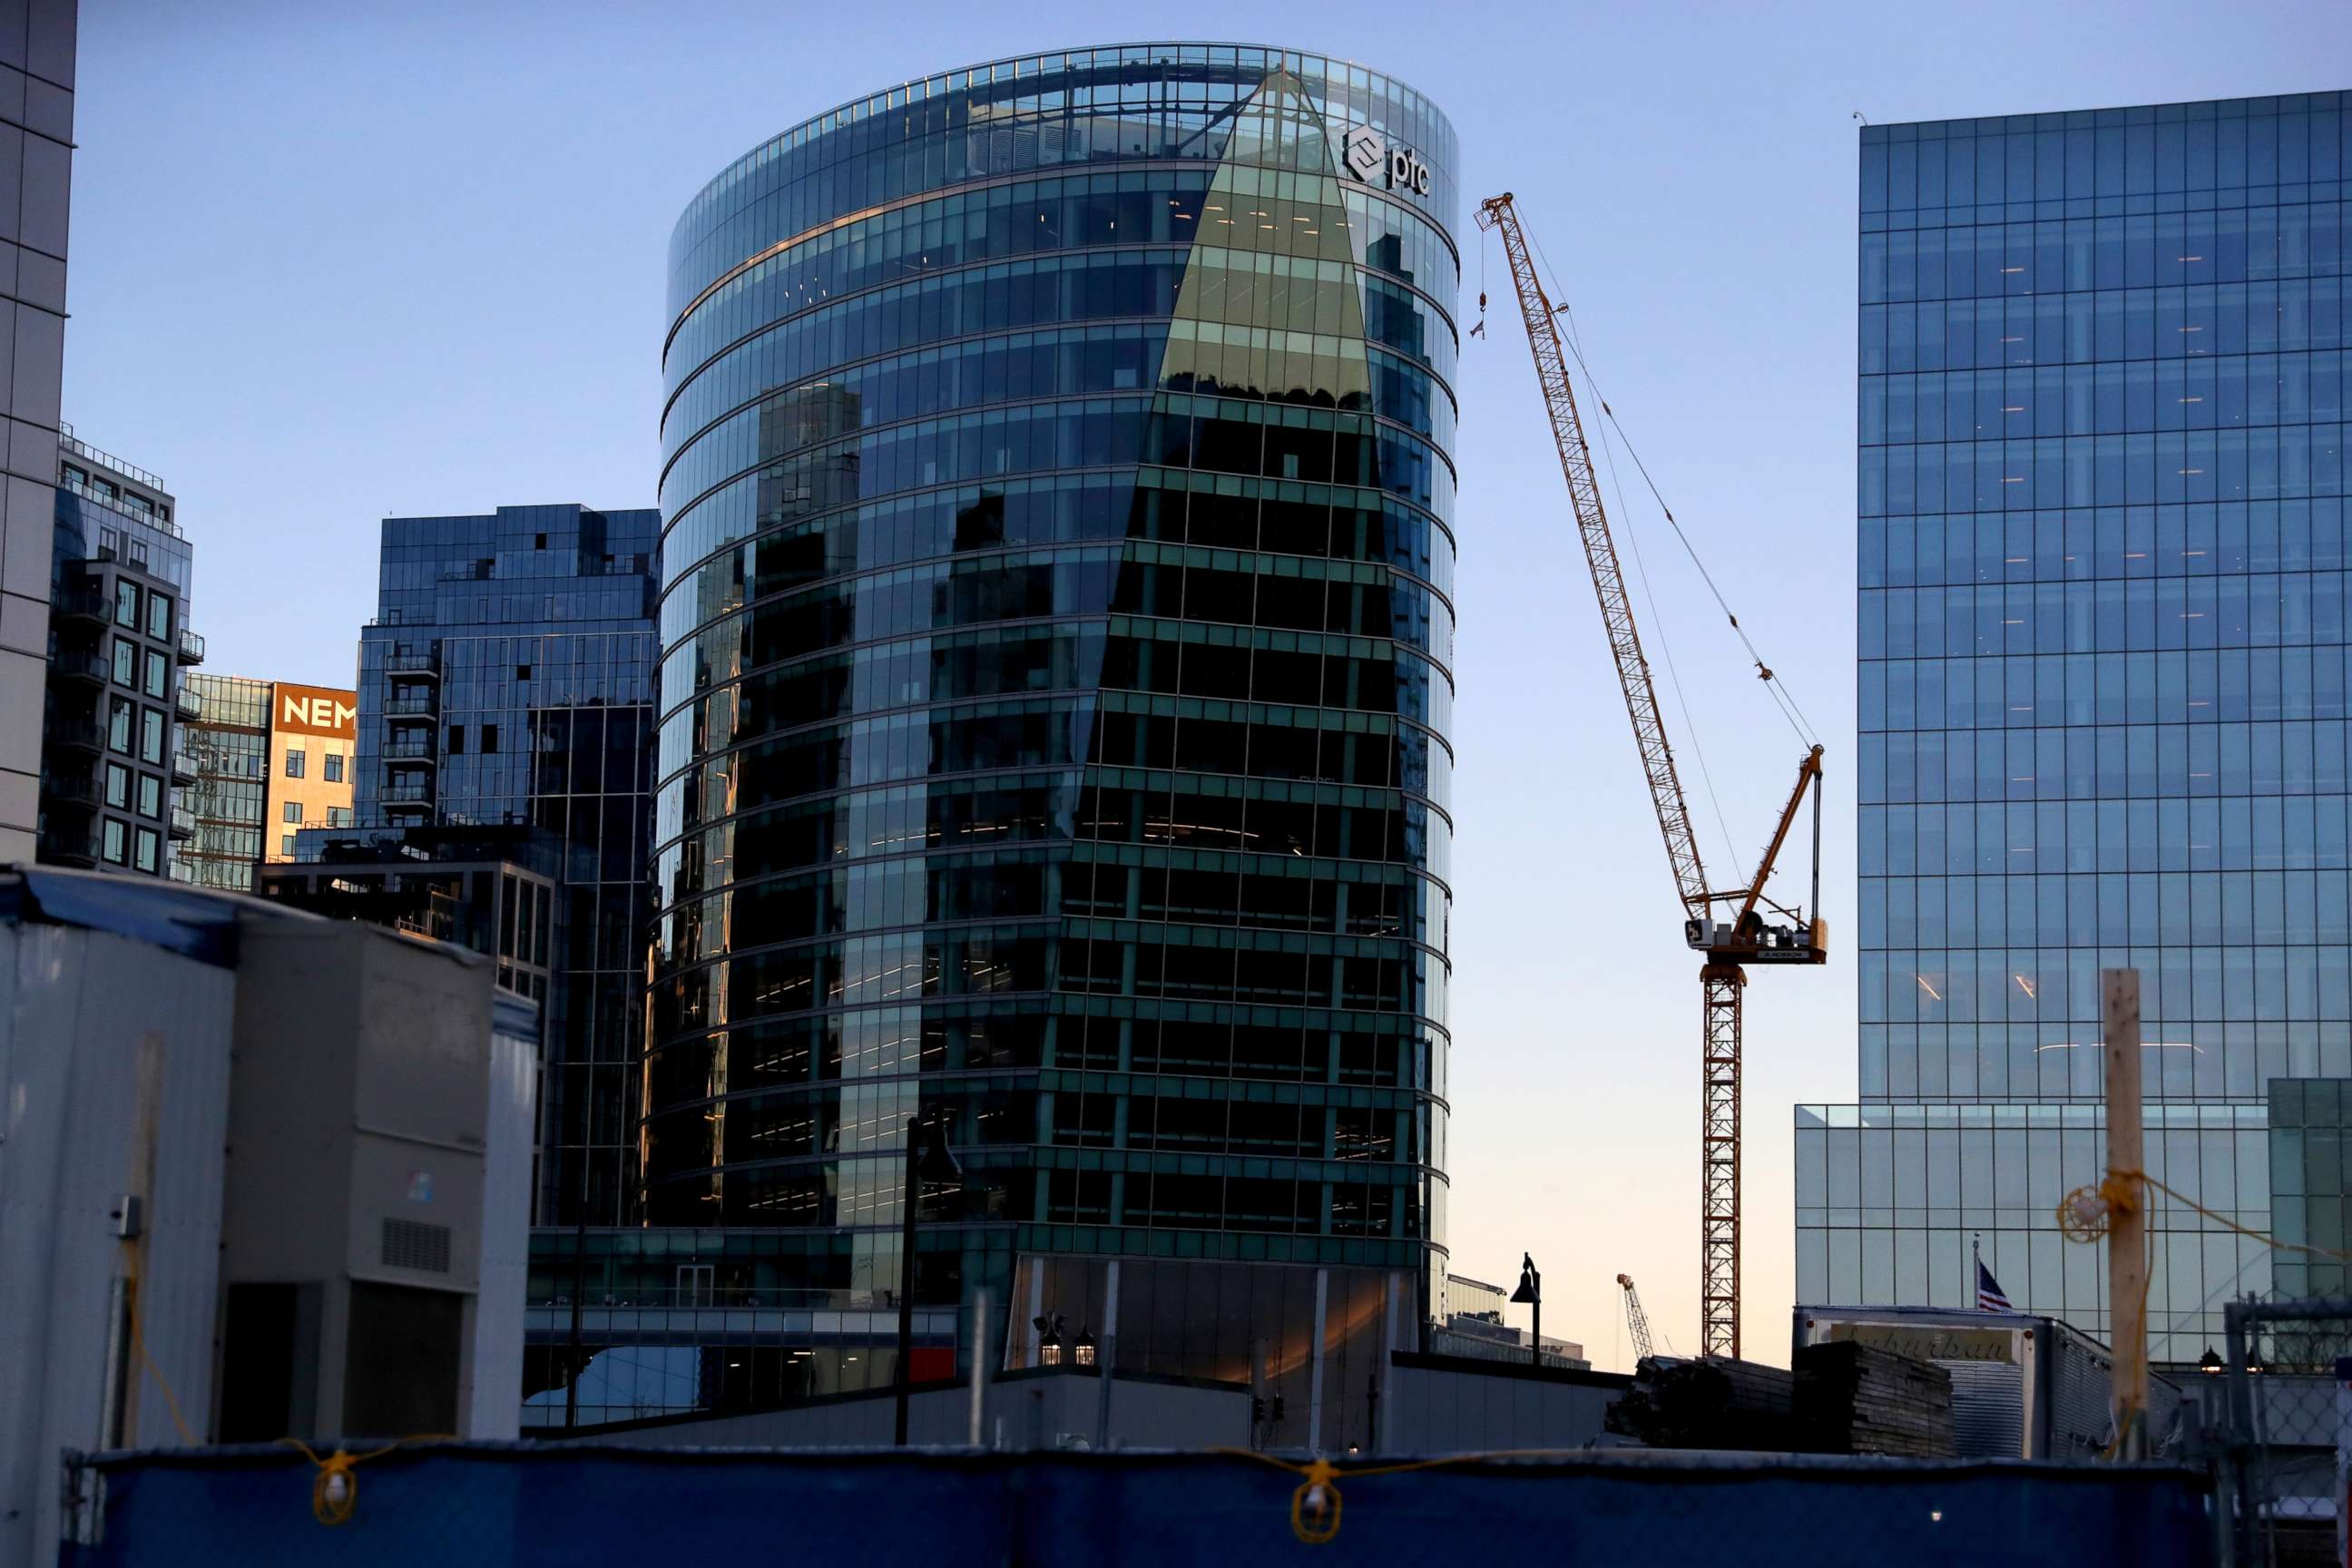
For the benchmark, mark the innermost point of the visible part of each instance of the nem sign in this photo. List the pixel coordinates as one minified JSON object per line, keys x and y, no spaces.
{"x":317,"y":710}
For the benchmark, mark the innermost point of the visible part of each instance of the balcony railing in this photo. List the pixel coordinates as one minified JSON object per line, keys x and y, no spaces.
{"x":80,"y":788}
{"x":70,"y":845}
{"x":80,"y":665}
{"x":184,"y":768}
{"x":413,"y":664}
{"x":407,"y":794}
{"x":412,"y":705}
{"x":418,"y":751}
{"x":82,"y":732}
{"x":82,"y":601}
{"x":183,"y":822}
{"x":188,"y":703}
{"x":191,"y":647}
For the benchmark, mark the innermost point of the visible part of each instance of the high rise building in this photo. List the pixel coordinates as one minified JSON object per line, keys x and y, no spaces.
{"x":36,"y":102}
{"x":503,"y":796}
{"x":1057,"y":630}
{"x":120,"y":640}
{"x":271,"y":758}
{"x":2102,"y":690}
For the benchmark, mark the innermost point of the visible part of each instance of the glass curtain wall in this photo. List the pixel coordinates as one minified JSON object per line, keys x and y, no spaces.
{"x":1057,"y":633}
{"x":2102,"y":690}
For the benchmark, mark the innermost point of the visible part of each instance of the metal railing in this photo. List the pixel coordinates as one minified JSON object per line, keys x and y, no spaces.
{"x":81,"y":788}
{"x":191,"y":647}
{"x":412,"y":663}
{"x":421,"y":706}
{"x":81,"y":665}
{"x":407,"y":794}
{"x":183,"y":822}
{"x":79,"y":447}
{"x":82,"y":732}
{"x":410,"y":751}
{"x":189,"y":704}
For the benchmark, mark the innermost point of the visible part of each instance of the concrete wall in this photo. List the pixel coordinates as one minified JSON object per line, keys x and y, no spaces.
{"x":494,"y":1400}
{"x":1022,"y":1411}
{"x":114,"y":1078}
{"x":1437,"y":1405}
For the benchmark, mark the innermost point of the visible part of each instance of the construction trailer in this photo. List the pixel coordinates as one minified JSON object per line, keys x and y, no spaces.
{"x":2023,"y":1386}
{"x":262,"y":1174}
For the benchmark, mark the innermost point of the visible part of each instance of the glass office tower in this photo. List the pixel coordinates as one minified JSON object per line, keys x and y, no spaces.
{"x":2103,"y":689}
{"x":504,"y":798}
{"x":1056,"y":635}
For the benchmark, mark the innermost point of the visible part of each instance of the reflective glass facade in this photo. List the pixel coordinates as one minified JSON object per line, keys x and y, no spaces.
{"x":2103,"y":703}
{"x":229,"y":748}
{"x":1057,"y":632}
{"x":507,"y":684}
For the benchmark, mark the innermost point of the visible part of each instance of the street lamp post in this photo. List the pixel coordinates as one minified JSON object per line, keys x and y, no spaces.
{"x":927,"y":1158}
{"x":1530,"y":1293}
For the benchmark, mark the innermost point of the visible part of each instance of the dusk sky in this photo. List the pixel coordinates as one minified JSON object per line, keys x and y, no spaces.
{"x":334,"y":263}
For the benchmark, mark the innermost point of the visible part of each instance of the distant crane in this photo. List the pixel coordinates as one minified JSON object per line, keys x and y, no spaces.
{"x":1727,"y":944}
{"x":1637,"y":1321}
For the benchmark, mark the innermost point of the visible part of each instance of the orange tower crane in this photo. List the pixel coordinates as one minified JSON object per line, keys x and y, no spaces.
{"x":1729,"y":944}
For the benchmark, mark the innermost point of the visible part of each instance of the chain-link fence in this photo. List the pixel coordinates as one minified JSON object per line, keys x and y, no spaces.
{"x":2276,"y":1404}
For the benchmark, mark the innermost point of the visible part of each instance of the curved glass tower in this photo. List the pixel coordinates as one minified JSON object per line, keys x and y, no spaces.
{"x":1057,"y":628}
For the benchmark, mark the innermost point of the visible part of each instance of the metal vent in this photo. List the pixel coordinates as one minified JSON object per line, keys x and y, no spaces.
{"x":407,"y":1244}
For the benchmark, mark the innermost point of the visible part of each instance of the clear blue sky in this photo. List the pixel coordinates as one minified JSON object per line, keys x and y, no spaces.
{"x":335,"y":262}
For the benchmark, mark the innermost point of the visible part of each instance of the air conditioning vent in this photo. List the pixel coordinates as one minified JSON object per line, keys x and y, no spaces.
{"x":410,"y":1245}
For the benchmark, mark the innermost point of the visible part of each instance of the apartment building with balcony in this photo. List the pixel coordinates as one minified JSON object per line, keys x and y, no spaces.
{"x":115,"y":702}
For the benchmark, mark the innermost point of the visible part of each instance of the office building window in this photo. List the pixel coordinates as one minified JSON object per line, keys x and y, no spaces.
{"x":158,"y":616}
{"x":295,"y":760}
{"x":115,"y":839}
{"x":333,"y":765}
{"x":151,"y":735}
{"x":117,"y":785}
{"x":126,"y":663}
{"x":339,"y":816}
{"x":159,"y":675}
{"x":118,"y":721}
{"x":291,"y":811}
{"x":149,"y":849}
{"x":151,"y":795}
{"x":286,"y":845}
{"x":126,"y":604}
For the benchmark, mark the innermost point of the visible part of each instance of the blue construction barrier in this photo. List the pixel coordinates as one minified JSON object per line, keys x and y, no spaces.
{"x":500,"y":1503}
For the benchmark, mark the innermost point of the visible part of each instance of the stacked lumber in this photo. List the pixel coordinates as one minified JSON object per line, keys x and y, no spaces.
{"x":1715,"y":1403}
{"x":1862,"y":1399}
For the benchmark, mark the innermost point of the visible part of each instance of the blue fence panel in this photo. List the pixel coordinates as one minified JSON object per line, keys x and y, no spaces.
{"x":572,"y":1505}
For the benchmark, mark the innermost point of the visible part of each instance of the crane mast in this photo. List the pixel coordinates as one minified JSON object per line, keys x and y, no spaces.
{"x":1747,"y":936}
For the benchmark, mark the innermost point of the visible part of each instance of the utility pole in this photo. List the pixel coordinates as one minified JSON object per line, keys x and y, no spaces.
{"x":2127,"y":1213}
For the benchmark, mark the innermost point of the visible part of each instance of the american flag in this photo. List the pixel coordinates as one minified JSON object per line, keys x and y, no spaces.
{"x":1988,"y":1296}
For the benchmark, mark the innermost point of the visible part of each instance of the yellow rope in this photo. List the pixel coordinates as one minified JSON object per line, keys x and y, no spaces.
{"x":139,"y":1343}
{"x":334,"y":1490}
{"x":2081,"y":1222}
{"x":1314,"y":1505}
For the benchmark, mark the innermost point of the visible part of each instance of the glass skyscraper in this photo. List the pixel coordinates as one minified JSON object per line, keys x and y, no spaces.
{"x":1056,"y":632}
{"x":503,"y":798}
{"x":2104,"y":674}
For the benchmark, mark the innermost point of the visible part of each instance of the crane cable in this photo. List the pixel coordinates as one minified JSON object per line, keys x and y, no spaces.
{"x":1773,"y":683}
{"x":1666,"y":650}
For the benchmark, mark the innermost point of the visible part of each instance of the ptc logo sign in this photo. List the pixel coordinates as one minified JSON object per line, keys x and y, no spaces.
{"x":1368,"y":154}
